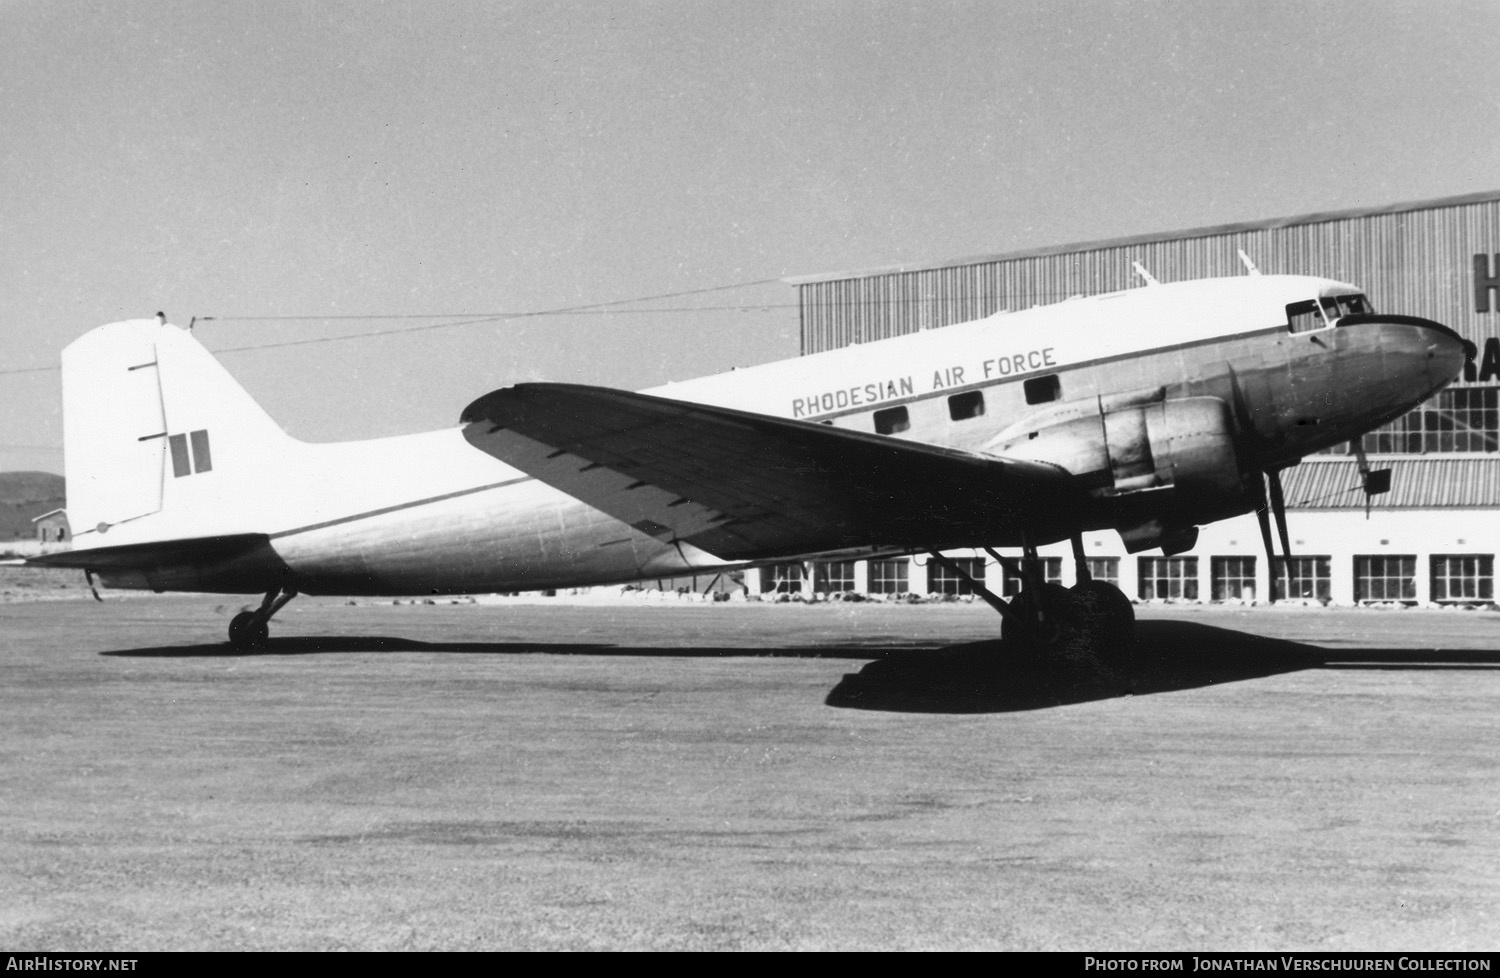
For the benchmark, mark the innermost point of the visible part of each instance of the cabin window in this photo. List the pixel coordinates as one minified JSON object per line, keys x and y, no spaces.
{"x":1040,"y":390}
{"x":892,"y":420}
{"x":961,"y":407}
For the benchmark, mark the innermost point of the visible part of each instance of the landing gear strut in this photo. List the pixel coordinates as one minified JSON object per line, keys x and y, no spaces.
{"x":1091,"y":624}
{"x":250,"y":629}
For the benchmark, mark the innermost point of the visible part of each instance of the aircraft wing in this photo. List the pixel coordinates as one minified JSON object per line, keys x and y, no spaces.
{"x":746,"y":486}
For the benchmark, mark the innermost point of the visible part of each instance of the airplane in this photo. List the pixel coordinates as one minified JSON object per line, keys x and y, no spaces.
{"x":1148,"y":411}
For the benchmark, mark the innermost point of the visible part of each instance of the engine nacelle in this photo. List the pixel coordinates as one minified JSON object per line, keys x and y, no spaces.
{"x":1145,"y":443}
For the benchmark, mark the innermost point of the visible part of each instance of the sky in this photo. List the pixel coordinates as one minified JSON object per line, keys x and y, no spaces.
{"x":422,"y":174}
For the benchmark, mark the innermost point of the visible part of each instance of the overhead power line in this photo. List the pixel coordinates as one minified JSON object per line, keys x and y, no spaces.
{"x":462,"y":319}
{"x":488,"y":316}
{"x":455,"y":320}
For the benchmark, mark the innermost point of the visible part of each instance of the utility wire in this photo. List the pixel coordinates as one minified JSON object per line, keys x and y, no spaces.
{"x":594,"y":308}
{"x":489,"y":316}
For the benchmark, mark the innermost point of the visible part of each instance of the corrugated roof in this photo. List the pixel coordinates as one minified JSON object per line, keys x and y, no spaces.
{"x":1454,"y":482}
{"x":1206,"y":232}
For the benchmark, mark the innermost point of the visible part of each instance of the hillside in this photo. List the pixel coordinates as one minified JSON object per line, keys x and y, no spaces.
{"x":25,"y":495}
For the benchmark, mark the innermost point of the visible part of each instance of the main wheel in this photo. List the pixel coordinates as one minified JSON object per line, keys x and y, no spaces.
{"x":1060,"y":630}
{"x":1109,"y":617}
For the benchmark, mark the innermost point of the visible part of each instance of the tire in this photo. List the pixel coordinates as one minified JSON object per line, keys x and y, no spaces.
{"x":1060,"y":633}
{"x":1109,"y":618}
{"x":247,"y":632}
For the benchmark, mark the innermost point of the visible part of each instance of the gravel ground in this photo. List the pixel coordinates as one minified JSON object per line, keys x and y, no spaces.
{"x":727,"y":776}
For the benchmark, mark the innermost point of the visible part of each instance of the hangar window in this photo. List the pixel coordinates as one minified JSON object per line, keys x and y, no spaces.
{"x":889,"y":576}
{"x":834,"y":577}
{"x":782,"y":578}
{"x":1040,"y":390}
{"x":1106,"y":569}
{"x":1464,"y":419}
{"x":892,"y":420}
{"x":961,"y":407}
{"x":1310,"y":579}
{"x":1051,"y":569}
{"x":1463,"y":578}
{"x":1233,"y":578}
{"x":941,"y":580}
{"x":1385,"y":578}
{"x":1168,"y":578}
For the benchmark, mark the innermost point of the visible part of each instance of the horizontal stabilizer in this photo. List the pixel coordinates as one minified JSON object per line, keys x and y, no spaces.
{"x":139,"y":556}
{"x":746,"y":486}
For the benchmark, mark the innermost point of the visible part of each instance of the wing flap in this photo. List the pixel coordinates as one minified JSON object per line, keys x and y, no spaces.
{"x":741,"y":485}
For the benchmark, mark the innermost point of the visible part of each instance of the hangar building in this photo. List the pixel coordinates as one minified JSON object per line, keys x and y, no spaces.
{"x":1431,"y":540}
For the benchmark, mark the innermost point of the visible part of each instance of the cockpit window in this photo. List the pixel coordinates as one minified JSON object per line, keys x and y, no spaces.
{"x":1326,"y":311}
{"x":1303,"y":317}
{"x":1354,"y":305}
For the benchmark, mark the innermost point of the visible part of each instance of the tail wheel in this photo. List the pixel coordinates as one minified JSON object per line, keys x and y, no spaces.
{"x":248,"y":631}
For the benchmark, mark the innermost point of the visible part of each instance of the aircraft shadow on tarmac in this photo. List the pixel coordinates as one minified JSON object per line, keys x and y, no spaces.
{"x":987,"y":677}
{"x":975,"y":677}
{"x":365,"y":644}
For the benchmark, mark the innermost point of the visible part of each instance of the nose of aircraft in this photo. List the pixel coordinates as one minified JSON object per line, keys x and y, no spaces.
{"x":1412,"y":340}
{"x":1446,"y":352}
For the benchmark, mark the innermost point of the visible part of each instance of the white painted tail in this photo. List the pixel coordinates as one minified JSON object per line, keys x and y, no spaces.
{"x":160,"y":441}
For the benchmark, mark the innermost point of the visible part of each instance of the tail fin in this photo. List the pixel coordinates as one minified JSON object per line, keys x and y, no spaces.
{"x":156,"y":435}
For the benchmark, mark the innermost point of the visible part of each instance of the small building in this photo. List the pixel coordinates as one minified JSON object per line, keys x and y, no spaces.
{"x":52,"y":531}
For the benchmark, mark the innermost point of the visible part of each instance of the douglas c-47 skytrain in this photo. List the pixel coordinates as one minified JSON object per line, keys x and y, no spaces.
{"x":1149,"y":411}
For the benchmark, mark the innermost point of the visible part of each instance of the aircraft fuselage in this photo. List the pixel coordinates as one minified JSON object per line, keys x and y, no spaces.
{"x":431,"y":514}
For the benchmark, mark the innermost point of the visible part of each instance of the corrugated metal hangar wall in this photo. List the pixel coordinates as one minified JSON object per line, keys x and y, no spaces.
{"x":1433,"y":539}
{"x":1417,"y":259}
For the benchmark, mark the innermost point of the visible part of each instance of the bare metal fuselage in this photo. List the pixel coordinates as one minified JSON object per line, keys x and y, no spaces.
{"x":1299,"y":392}
{"x":434,"y":514}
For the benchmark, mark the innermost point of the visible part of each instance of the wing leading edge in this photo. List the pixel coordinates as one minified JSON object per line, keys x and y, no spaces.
{"x":746,"y":486}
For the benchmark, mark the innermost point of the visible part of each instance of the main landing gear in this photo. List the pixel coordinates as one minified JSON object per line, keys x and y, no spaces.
{"x":250,"y":630}
{"x":1090,"y":625}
